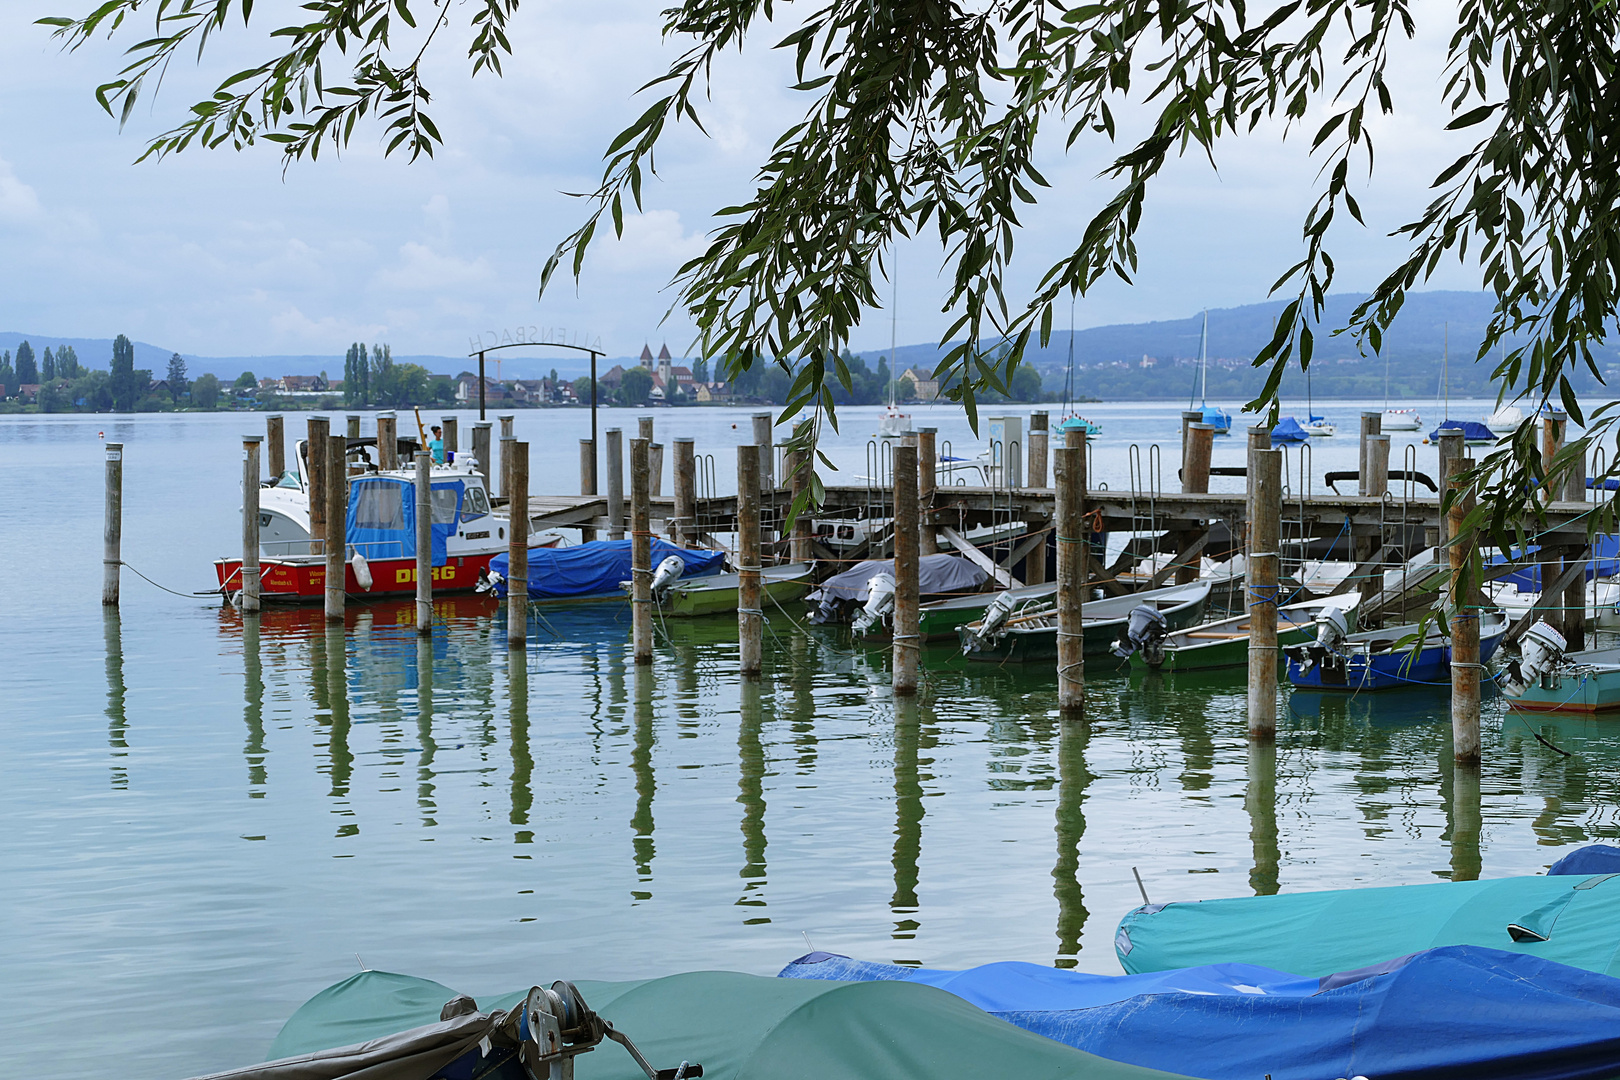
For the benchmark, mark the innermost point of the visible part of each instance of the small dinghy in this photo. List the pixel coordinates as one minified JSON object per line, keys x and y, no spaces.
{"x":1542,"y":677}
{"x":1384,"y":659}
{"x":1225,"y":644}
{"x":1017,"y":633}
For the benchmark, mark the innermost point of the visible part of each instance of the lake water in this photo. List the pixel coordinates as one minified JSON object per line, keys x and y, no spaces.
{"x":207,"y":819}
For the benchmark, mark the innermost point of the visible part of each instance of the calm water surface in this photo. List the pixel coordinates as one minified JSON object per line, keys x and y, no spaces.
{"x":206,"y":819}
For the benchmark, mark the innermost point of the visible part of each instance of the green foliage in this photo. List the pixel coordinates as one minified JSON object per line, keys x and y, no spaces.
{"x":634,"y":387}
{"x":67,"y":363}
{"x":583,"y":390}
{"x":700,"y":370}
{"x":356,"y":376}
{"x":47,"y":366}
{"x":205,"y":391}
{"x":179,"y":387}
{"x":126,"y":388}
{"x":8,"y":376}
{"x":27,"y":370}
{"x":245,"y":381}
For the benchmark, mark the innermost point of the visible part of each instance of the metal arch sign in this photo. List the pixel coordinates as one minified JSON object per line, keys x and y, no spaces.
{"x":487,"y":340}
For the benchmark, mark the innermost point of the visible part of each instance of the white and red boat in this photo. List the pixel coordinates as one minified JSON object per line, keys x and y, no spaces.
{"x":380,"y":532}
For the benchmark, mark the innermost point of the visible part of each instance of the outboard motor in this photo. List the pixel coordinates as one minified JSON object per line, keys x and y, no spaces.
{"x":1146,"y":630}
{"x":989,"y":627}
{"x":879,"y":602}
{"x":1331,"y":630}
{"x":664,"y":578}
{"x":1539,"y":652}
{"x":488,"y":580}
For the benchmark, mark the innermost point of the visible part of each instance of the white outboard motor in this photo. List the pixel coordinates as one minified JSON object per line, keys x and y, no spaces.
{"x":1539,"y":652}
{"x":1146,"y":630}
{"x":1331,"y":630}
{"x":879,"y":602}
{"x":488,"y":580}
{"x":664,"y":578}
{"x":989,"y":627}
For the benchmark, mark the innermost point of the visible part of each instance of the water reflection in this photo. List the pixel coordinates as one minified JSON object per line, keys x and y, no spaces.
{"x":517,"y":689}
{"x":1260,"y":800}
{"x":1074,"y":736}
{"x":641,"y":765}
{"x":340,"y":757}
{"x":424,"y":730}
{"x":908,"y":815}
{"x":1465,"y":821}
{"x":253,"y":709}
{"x":112,"y":630}
{"x":751,"y":794}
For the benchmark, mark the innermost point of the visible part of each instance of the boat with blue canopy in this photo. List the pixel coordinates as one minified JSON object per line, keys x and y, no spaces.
{"x":1506,"y":1016}
{"x":1474,"y":433}
{"x":1566,"y":918}
{"x":1215,"y":417}
{"x":1288,"y":430}
{"x":592,"y":573}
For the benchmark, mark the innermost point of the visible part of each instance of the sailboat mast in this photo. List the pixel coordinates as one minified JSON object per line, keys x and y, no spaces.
{"x":894,"y":320}
{"x":1445,"y":367}
{"x":1203,"y":363}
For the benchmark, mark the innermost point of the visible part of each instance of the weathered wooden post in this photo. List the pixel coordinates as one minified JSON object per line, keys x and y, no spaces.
{"x":315,"y":482}
{"x":587,"y":481}
{"x":1189,"y":417}
{"x":112,"y":530}
{"x":1377,"y":465}
{"x":1195,"y":480}
{"x":387,"y":441}
{"x":480,"y":451}
{"x":452,"y":444}
{"x":927,"y":486}
{"x":1036,"y":474}
{"x":1450,"y":446}
{"x":1464,"y":614}
{"x":1265,"y":527}
{"x":276,"y":449}
{"x":798,"y":467}
{"x":644,"y":428}
{"x":1575,"y":592}
{"x":683,"y":525}
{"x":765,"y":439}
{"x":907,"y":648}
{"x":353,"y":421}
{"x":655,"y":468}
{"x":750,"y":616}
{"x":337,"y":512}
{"x":1372,"y":423}
{"x":424,"y":542}
{"x":517,"y":548}
{"x":1553,"y":423}
{"x":507,"y":420}
{"x":250,"y":522}
{"x":641,"y":613}
{"x":615,"y":483}
{"x":1075,"y":438}
{"x":1069,"y":471}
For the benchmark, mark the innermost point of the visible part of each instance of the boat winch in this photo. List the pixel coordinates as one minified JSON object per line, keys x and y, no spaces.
{"x":1540,"y":650}
{"x":1146,"y":629}
{"x":879,"y":602}
{"x":664,"y":578}
{"x":555,"y":1026}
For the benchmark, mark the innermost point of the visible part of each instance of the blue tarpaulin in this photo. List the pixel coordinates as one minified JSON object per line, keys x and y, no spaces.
{"x":1604,"y":562}
{"x":1473,"y":431}
{"x":1449,"y":1012}
{"x":382,"y":517}
{"x":1591,"y":859}
{"x":594,"y":570}
{"x":1287,"y":430}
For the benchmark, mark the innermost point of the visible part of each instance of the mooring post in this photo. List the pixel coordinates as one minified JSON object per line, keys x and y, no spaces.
{"x":1195,"y":480}
{"x":1372,"y":423}
{"x":615,"y":483}
{"x":655,"y":468}
{"x":1189,"y":417}
{"x":1465,"y":606}
{"x":452,"y":443}
{"x":765,"y":439}
{"x":277,"y":445}
{"x":750,"y":616}
{"x":424,"y":542}
{"x":641,"y":613}
{"x":1575,"y":592}
{"x":250,"y":521}
{"x":505,"y":433}
{"x":798,"y":467}
{"x":112,"y":530}
{"x":1036,"y":476}
{"x":517,"y":549}
{"x":907,"y":647}
{"x":644,"y":428}
{"x":507,"y":420}
{"x":337,"y":512}
{"x":353,"y":421}
{"x":683,"y":526}
{"x":1265,"y":528}
{"x":1552,"y":440}
{"x":1076,"y":438}
{"x":1450,"y":446}
{"x":315,"y":483}
{"x":587,"y":482}
{"x":1377,"y":465}
{"x":387,"y":441}
{"x":1069,"y":472}
{"x":480,"y":452}
{"x":927,"y":486}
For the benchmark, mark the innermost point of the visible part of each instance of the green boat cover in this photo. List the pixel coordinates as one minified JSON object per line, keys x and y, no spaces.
{"x":1571,"y":920}
{"x":735,"y":1026}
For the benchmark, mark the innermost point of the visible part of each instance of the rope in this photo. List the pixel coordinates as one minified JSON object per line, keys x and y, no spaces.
{"x":149,"y":581}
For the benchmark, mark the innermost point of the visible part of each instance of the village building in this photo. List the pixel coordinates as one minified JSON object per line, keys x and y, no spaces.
{"x":924,"y":387}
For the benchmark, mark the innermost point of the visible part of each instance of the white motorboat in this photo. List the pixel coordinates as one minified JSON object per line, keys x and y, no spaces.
{"x":1508,"y":416}
{"x":1402,"y":420}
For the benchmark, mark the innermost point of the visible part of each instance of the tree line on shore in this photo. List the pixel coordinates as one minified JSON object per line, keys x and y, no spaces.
{"x":57,"y":381}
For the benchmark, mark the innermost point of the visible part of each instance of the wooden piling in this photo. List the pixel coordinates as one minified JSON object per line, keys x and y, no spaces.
{"x":507,"y":422}
{"x":1464,"y":614}
{"x":1076,"y":438}
{"x":906,"y":597}
{"x":1449,"y":446}
{"x":641,"y":612}
{"x":587,"y":481}
{"x":1195,"y":478}
{"x":750,"y":616}
{"x":683,"y":525}
{"x":112,"y":527}
{"x":1265,"y":527}
{"x":655,"y":468}
{"x":1036,"y":473}
{"x":450,"y":427}
{"x":480,"y":452}
{"x":798,"y":478}
{"x":337,"y":512}
{"x":1259,"y":437}
{"x":250,"y":522}
{"x":517,"y":547}
{"x":276,"y":450}
{"x":927,"y":486}
{"x":1372,"y":423}
{"x":1068,"y":473}
{"x":615,"y":483}
{"x":353,"y":421}
{"x":1553,"y":423}
{"x":315,"y":482}
{"x":1377,"y":465}
{"x":1189,"y":417}
{"x":387,"y":441}
{"x":424,"y":542}
{"x":1574,"y":602}
{"x":644,"y":429}
{"x":765,"y":439}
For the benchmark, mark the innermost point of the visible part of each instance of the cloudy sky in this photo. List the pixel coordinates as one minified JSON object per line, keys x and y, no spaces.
{"x":221,"y":253}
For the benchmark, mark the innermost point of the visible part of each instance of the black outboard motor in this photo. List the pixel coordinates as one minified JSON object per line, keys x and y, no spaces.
{"x":1146,"y":630}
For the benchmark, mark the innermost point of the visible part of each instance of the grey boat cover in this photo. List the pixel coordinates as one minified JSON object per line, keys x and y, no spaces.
{"x":943,"y":573}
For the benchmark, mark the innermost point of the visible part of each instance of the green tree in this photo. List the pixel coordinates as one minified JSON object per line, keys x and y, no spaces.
{"x":126,"y":388}
{"x":582,"y":389}
{"x":47,"y":366}
{"x":634,"y":387}
{"x":356,"y":376}
{"x":67,"y":363}
{"x":27,"y":371}
{"x":205,"y":391}
{"x":8,"y":375}
{"x":93,"y":390}
{"x":700,"y":370}
{"x":178,"y":385}
{"x":1025,"y":384}
{"x":245,"y":381}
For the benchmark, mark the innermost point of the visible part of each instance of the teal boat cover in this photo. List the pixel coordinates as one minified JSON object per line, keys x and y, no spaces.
{"x":1505,"y":1016}
{"x":595,"y":569}
{"x":1567,"y":919}
{"x":738,"y":1027}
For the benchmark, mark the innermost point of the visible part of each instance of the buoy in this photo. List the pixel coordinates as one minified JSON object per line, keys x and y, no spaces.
{"x":362,"y":571}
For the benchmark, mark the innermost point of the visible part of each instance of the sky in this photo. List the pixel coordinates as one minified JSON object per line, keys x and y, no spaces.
{"x":220,"y":253}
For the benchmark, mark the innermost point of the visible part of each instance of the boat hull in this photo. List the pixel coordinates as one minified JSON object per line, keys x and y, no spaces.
{"x":303,"y":580}
{"x":1039,"y":644}
{"x":1295,"y":626}
{"x":1577,"y":693}
{"x":721,"y":599}
{"x":1392,"y":670}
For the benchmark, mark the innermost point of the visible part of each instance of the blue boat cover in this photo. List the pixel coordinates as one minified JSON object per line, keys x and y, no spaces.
{"x":1287,"y":430}
{"x":381,"y":522}
{"x":596,"y":568}
{"x":1219,"y":419}
{"x":1605,"y":562}
{"x":1448,"y":1012}
{"x":1591,"y":859}
{"x":1473,"y":431}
